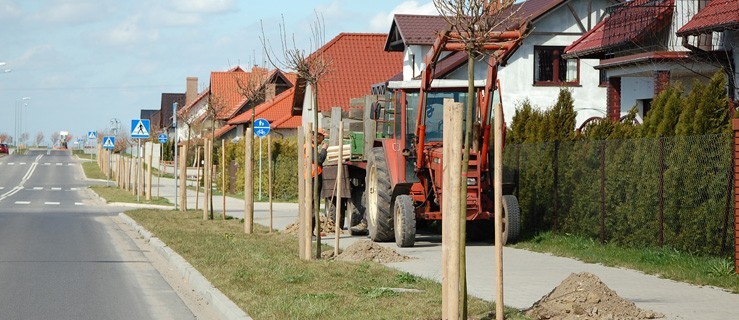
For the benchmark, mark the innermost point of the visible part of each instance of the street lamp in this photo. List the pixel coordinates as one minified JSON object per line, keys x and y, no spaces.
{"x":20,"y":103}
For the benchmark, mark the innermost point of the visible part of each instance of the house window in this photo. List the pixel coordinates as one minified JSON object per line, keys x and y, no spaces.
{"x":603,"y":76}
{"x":551,"y":69}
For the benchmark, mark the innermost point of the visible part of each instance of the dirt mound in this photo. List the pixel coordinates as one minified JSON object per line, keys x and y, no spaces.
{"x":366,"y":250}
{"x":327,"y":227}
{"x":583,"y":296}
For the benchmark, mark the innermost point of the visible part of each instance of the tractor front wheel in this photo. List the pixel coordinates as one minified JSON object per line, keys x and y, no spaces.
{"x":379,"y":197}
{"x":405,"y":221}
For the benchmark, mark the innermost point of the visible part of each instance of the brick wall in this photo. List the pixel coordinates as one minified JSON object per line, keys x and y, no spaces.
{"x":613,"y":98}
{"x":661,"y":81}
{"x":735,"y":125}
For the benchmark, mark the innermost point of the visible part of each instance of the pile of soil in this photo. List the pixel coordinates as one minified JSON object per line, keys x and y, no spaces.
{"x":367,"y":250}
{"x":584,"y":296}
{"x":327,"y":227}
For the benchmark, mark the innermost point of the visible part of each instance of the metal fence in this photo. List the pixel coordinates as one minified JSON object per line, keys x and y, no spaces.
{"x":675,"y":191}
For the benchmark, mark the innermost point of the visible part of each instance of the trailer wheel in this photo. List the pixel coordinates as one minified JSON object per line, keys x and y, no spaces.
{"x":405,"y":221}
{"x":331,"y":211}
{"x":358,"y":205}
{"x":511,"y":219}
{"x":379,"y":197}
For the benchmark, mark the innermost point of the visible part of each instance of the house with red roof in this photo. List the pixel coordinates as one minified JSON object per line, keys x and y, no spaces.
{"x":644,"y":45}
{"x":534,"y":72}
{"x":230,"y":94}
{"x":275,"y":108}
{"x":356,"y":61}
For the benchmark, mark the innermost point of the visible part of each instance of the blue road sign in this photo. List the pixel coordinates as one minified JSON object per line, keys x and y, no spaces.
{"x":140,"y":128}
{"x":261,"y":127}
{"x":109,"y":142}
{"x":162,"y":138}
{"x":92,"y":135}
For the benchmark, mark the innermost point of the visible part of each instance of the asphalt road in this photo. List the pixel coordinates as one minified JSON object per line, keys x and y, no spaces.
{"x":62,"y":256}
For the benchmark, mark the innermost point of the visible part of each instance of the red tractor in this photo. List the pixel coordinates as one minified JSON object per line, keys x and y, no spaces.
{"x":402,"y":160}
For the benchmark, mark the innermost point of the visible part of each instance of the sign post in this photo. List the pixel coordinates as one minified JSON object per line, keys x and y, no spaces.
{"x":109,"y":144}
{"x":92,"y":135}
{"x":174,"y":126}
{"x":140,"y":129}
{"x":261,"y":129}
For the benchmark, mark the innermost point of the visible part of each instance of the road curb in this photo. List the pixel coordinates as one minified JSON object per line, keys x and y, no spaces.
{"x":226,"y":308}
{"x":139,"y":205}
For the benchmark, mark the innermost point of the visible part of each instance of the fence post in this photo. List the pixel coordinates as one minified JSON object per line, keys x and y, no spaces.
{"x":603,"y":192}
{"x":661,"y":192}
{"x":735,"y":126}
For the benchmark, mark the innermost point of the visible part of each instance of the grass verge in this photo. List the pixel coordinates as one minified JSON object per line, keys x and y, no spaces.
{"x":92,"y":170}
{"x":114,"y":194}
{"x":82,"y":155}
{"x":262,"y":274}
{"x":663,"y":262}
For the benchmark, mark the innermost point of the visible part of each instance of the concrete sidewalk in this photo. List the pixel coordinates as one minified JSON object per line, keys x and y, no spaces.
{"x":528,"y":275}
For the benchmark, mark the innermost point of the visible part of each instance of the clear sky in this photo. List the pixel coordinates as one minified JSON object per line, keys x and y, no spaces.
{"x":85,"y":62}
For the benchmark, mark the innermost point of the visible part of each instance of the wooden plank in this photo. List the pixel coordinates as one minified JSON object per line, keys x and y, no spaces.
{"x":333,"y":135}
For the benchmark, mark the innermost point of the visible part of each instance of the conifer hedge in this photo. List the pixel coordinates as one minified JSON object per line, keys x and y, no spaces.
{"x":665,"y":182}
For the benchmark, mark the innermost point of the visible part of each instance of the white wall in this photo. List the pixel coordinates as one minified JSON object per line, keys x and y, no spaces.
{"x":308,"y":109}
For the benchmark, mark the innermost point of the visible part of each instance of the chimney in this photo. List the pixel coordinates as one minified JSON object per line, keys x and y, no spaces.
{"x":270,"y":91}
{"x":192,"y":90}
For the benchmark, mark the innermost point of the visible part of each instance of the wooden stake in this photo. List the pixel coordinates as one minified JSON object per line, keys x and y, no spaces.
{"x":301,"y":192}
{"x":161,"y":166}
{"x":223,"y":175}
{"x":451,"y":200}
{"x":307,"y":225}
{"x":206,"y":147}
{"x":498,"y":191}
{"x":248,"y":181}
{"x":339,"y":169}
{"x":183,"y":178}
{"x":140,"y":170}
{"x":197,"y":176}
{"x":149,"y":171}
{"x":269,"y":180}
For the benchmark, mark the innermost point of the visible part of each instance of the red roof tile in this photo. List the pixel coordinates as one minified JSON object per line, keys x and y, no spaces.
{"x":272,"y":110}
{"x":357,"y":62}
{"x":416,"y":29}
{"x":422,"y":30}
{"x":633,"y":24}
{"x":223,"y":130}
{"x":224,"y":86}
{"x":718,"y":15}
{"x":288,"y":122}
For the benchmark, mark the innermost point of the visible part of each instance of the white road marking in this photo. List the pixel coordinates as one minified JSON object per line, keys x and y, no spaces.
{"x":73,"y":189}
{"x":59,"y":163}
{"x":79,"y":204}
{"x":70,"y":164}
{"x":38,"y":188}
{"x":11,"y":163}
{"x":1,"y":188}
{"x":47,"y":163}
{"x":22,"y":202}
{"x":56,"y":188}
{"x":51,"y":203}
{"x":22,"y":163}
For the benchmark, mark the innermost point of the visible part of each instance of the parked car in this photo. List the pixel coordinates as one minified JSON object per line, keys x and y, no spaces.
{"x":4,"y":148}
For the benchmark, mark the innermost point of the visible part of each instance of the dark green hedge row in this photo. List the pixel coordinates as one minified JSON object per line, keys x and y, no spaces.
{"x":665,"y":182}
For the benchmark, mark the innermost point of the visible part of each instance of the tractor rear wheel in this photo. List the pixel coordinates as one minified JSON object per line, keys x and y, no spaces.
{"x":405,"y":221}
{"x":379,"y":197}
{"x":511,"y":219}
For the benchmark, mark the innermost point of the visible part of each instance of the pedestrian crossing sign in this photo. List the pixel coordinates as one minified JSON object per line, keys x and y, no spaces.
{"x":92,"y":135}
{"x":140,"y":128}
{"x":109,"y":142}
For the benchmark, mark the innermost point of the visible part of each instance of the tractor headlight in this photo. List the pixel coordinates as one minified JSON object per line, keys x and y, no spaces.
{"x":471,"y":181}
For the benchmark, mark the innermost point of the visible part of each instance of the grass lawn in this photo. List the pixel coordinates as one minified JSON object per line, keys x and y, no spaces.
{"x":114,"y":194}
{"x":263,"y":275}
{"x":92,"y":170}
{"x":664,"y":262}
